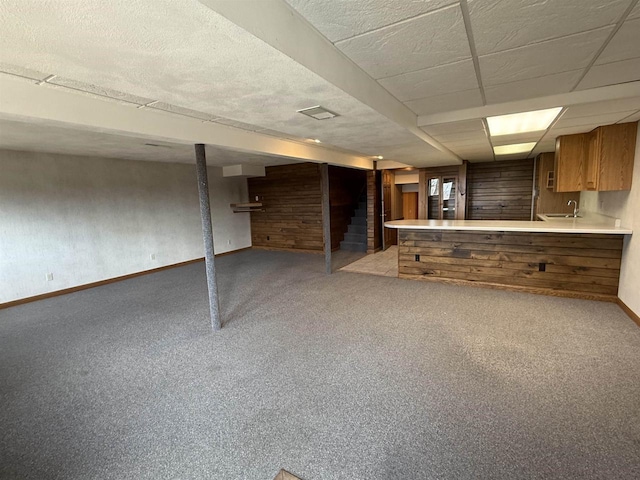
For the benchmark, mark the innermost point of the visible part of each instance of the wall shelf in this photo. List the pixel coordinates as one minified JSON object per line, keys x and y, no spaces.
{"x":247,"y":207}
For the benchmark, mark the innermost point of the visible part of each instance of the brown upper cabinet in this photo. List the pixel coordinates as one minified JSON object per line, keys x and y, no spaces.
{"x":599,"y":160}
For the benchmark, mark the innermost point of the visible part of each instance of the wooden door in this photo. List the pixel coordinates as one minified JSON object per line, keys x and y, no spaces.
{"x":410,"y":205}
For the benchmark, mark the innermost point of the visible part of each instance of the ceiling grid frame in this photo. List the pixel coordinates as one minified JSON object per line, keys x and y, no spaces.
{"x":615,"y":30}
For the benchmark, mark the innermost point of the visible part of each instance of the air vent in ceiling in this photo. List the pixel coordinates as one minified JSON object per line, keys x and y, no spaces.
{"x":318,"y":112}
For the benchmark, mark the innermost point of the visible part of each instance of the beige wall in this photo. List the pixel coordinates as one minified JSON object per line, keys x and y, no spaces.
{"x":624,"y":205}
{"x":86,"y":219}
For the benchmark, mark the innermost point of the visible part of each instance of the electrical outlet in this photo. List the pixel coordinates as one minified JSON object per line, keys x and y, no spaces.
{"x":228,"y":242}
{"x":49,"y":277}
{"x":153,"y":256}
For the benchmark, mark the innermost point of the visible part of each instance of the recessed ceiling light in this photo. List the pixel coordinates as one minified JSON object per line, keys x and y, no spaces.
{"x":514,"y":148}
{"x":318,"y":112}
{"x":379,"y":157}
{"x":535,"y":121}
{"x":316,"y":140}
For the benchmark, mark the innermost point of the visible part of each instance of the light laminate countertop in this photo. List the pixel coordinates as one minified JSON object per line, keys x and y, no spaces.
{"x":590,"y":223}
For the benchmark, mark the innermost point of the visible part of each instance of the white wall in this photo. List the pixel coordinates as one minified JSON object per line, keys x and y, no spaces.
{"x":624,"y":205}
{"x":86,"y":219}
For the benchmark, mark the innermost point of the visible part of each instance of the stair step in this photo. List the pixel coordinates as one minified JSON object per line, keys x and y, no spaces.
{"x":362,"y":204}
{"x":353,"y":247}
{"x":355,"y":237}
{"x":357,"y":228}
{"x":360,"y":212}
{"x":359,"y":221}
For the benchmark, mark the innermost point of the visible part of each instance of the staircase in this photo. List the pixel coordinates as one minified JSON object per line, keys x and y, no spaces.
{"x":355,"y":239}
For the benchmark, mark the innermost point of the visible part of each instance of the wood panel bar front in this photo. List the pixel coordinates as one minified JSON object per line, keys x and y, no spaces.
{"x":561,"y":264}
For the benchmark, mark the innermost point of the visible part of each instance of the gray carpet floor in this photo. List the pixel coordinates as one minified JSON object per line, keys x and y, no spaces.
{"x":345,"y":376}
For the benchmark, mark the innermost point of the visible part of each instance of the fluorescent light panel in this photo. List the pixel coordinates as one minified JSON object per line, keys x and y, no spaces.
{"x":535,"y":121}
{"x":514,"y":148}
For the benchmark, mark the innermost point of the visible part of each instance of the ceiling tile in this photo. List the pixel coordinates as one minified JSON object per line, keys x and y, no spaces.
{"x":504,"y":24}
{"x":541,"y":59}
{"x":598,"y":108}
{"x":602,"y":119}
{"x":449,"y":101}
{"x":533,"y":87}
{"x":337,"y":19}
{"x":449,"y":78}
{"x":625,"y":44}
{"x":454,"y":127}
{"x":611,"y":74}
{"x":482,"y":152}
{"x":427,"y":41}
{"x":477,"y":135}
{"x":631,"y":118}
{"x":468,"y":144}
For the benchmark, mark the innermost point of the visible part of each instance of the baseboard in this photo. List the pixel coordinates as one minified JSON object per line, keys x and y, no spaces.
{"x":632,"y":315}
{"x":282,"y":249}
{"x":86,"y":286}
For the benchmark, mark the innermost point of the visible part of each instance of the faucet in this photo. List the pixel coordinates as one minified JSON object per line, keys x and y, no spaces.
{"x":575,"y":208}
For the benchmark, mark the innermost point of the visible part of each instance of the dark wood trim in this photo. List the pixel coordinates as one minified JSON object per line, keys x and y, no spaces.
{"x":422,"y":194}
{"x":231,"y":252}
{"x":283,"y":249}
{"x":632,"y":315}
{"x":461,"y":192}
{"x":86,"y":286}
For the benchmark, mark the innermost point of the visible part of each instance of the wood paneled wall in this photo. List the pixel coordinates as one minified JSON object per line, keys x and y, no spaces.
{"x":292,"y":199}
{"x":500,"y":190}
{"x":578,"y":265}
{"x":374,"y":242}
{"x":345,"y":187}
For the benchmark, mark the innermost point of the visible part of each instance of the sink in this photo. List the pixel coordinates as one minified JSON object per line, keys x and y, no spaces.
{"x":561,"y":215}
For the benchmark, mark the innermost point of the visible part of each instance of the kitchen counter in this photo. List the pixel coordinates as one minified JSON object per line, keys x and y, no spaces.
{"x":573,"y":257}
{"x":590,"y":223}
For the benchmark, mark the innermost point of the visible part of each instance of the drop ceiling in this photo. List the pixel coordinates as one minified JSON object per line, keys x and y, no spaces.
{"x":189,"y":58}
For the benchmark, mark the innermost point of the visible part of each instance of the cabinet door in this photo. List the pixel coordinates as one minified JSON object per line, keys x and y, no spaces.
{"x":571,"y":155}
{"x":616,"y":154}
{"x":592,"y":166}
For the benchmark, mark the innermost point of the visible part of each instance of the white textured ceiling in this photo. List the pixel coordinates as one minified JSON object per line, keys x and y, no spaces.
{"x":45,"y":137}
{"x":434,"y":57}
{"x":184,"y":54}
